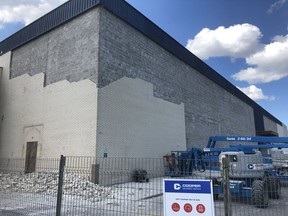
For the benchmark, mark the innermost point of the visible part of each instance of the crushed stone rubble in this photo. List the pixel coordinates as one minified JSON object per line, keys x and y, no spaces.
{"x":47,"y":183}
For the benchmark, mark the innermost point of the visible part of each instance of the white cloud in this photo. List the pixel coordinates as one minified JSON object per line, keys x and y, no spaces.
{"x":266,"y":62}
{"x":275,"y":6}
{"x":267,"y":65}
{"x":25,"y":11}
{"x":235,"y":41}
{"x":255,"y":93}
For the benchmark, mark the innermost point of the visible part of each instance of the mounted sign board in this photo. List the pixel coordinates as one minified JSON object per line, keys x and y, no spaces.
{"x":188,"y":196}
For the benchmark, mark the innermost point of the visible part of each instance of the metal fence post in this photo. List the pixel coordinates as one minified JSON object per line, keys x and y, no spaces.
{"x":226,"y":186}
{"x":60,"y":185}
{"x":95,"y":173}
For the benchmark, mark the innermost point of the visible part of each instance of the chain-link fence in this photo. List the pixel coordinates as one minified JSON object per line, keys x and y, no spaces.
{"x":126,"y":186}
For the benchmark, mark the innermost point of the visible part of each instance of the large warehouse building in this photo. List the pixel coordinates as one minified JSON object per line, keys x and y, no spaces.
{"x":97,"y":78}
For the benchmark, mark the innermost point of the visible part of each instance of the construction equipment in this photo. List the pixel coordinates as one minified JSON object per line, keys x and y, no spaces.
{"x":255,"y":169}
{"x":279,"y":159}
{"x":140,"y":175}
{"x":274,"y":152}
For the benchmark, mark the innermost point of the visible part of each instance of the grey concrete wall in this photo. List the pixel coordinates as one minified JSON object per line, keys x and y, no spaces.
{"x":70,"y":52}
{"x":282,"y":130}
{"x":1,"y":71}
{"x":209,"y":109}
{"x":269,"y":125}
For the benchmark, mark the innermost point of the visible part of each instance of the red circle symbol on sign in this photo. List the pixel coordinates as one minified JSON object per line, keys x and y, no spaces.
{"x":200,"y":208}
{"x":187,"y":207}
{"x":175,"y":207}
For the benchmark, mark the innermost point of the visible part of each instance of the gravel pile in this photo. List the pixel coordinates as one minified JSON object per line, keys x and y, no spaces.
{"x":47,"y":183}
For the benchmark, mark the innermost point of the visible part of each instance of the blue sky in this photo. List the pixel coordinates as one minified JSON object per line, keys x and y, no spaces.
{"x":246,"y":41}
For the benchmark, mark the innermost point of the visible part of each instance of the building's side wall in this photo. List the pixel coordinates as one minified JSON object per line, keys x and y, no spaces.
{"x":209,"y":109}
{"x":1,"y":72}
{"x":61,"y":117}
{"x":269,"y":125}
{"x":69,"y":52}
{"x":282,"y":130}
{"x":134,"y":123}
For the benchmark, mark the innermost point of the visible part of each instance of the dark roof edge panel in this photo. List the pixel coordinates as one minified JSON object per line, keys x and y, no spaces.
{"x":126,"y":12}
{"x":49,"y":21}
{"x":133,"y":17}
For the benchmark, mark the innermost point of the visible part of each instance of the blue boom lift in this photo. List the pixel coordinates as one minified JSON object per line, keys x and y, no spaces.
{"x":256,"y":166}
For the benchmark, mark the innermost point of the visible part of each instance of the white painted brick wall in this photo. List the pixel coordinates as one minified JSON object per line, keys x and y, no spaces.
{"x":134,"y":123}
{"x":61,"y":116}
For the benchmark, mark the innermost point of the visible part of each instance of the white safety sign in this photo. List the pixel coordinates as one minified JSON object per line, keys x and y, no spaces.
{"x":186,"y":196}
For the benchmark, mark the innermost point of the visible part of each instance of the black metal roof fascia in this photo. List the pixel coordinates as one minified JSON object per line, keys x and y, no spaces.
{"x":49,"y":21}
{"x":133,"y":17}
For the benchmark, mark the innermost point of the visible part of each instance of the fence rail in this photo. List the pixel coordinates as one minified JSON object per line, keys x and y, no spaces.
{"x":111,"y":186}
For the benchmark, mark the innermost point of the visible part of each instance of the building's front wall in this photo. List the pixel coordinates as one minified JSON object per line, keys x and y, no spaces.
{"x":134,"y":123}
{"x":60,"y":117}
{"x":209,"y":109}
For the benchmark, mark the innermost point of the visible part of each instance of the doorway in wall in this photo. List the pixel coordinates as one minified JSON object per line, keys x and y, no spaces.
{"x":31,"y":155}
